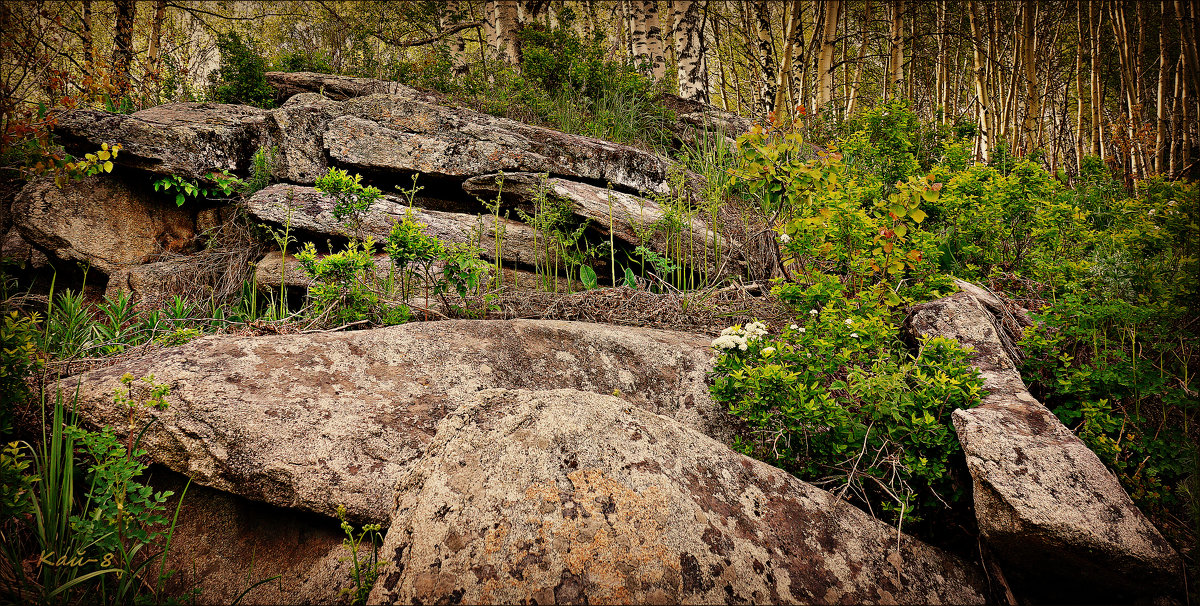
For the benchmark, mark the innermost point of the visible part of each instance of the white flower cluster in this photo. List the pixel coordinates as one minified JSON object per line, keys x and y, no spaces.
{"x":737,"y":337}
{"x":784,"y":238}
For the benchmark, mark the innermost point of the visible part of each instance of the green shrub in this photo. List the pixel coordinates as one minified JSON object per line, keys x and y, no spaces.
{"x":242,"y":74}
{"x":18,"y":361}
{"x":351,"y":198}
{"x":836,"y":399}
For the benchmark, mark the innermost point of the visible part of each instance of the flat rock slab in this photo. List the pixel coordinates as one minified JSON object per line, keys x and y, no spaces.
{"x":571,"y":497}
{"x":393,"y":134}
{"x":1045,"y":502}
{"x":185,"y":139}
{"x":625,"y":215}
{"x":312,"y":211}
{"x":311,"y":421}
{"x":100,"y":221}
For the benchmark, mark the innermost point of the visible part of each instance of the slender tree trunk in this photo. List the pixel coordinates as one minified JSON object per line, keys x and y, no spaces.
{"x":766,"y":57}
{"x":858,"y":67}
{"x":721,"y":62}
{"x":1095,"y":18}
{"x":654,"y":40}
{"x":1160,"y":143}
{"x":982,"y":98}
{"x":489,"y":25}
{"x":1176,"y":116}
{"x":798,"y":74}
{"x":689,"y":47}
{"x":122,"y":54}
{"x":1079,"y":59}
{"x":825,"y":64}
{"x":89,"y":54}
{"x":785,"y":72}
{"x":507,"y":26}
{"x":1032,"y":100}
{"x":939,"y":63}
{"x":896,"y":62}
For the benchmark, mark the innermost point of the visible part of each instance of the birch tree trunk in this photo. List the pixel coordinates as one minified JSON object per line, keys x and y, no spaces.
{"x":507,"y":26}
{"x":122,"y":54}
{"x":1095,"y":18}
{"x":654,"y":41}
{"x":896,"y":61}
{"x":766,"y":57}
{"x":635,"y":22}
{"x":689,"y":48}
{"x":825,"y":64}
{"x":982,"y":98}
{"x":852,"y":96}
{"x":783,"y":83}
{"x":1032,"y":99}
{"x":1160,"y":141}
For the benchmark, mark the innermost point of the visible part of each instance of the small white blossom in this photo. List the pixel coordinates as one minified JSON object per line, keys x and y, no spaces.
{"x":784,"y":238}
{"x":767,"y":351}
{"x":854,"y":334}
{"x":793,"y":327}
{"x":802,"y":330}
{"x":849,"y":322}
{"x":729,"y":342}
{"x":812,"y":312}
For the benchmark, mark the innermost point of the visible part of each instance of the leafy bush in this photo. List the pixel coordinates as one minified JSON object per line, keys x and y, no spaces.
{"x":242,"y":74}
{"x":836,"y":399}
{"x":18,"y":360}
{"x":351,"y":198}
{"x":95,"y":546}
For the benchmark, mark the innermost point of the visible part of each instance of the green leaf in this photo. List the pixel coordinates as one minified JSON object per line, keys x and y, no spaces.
{"x":587,"y":275}
{"x":630,"y":278}
{"x":917,"y":215}
{"x":179,"y":199}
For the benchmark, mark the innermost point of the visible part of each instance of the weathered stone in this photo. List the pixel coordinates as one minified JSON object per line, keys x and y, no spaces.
{"x":626,"y":213}
{"x":312,"y":211}
{"x":567,"y":496}
{"x":383,"y":133}
{"x":223,"y":544}
{"x":296,"y":131}
{"x":186,"y":139}
{"x":14,"y":248}
{"x":1045,"y":502}
{"x":310,"y":421}
{"x":338,"y":88}
{"x":380,"y":133}
{"x":101,"y":221}
{"x":155,"y":283}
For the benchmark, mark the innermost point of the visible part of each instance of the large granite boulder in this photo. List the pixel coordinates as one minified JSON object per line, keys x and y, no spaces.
{"x":566,"y":496}
{"x":313,"y":420}
{"x":101,"y":221}
{"x":1045,"y":503}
